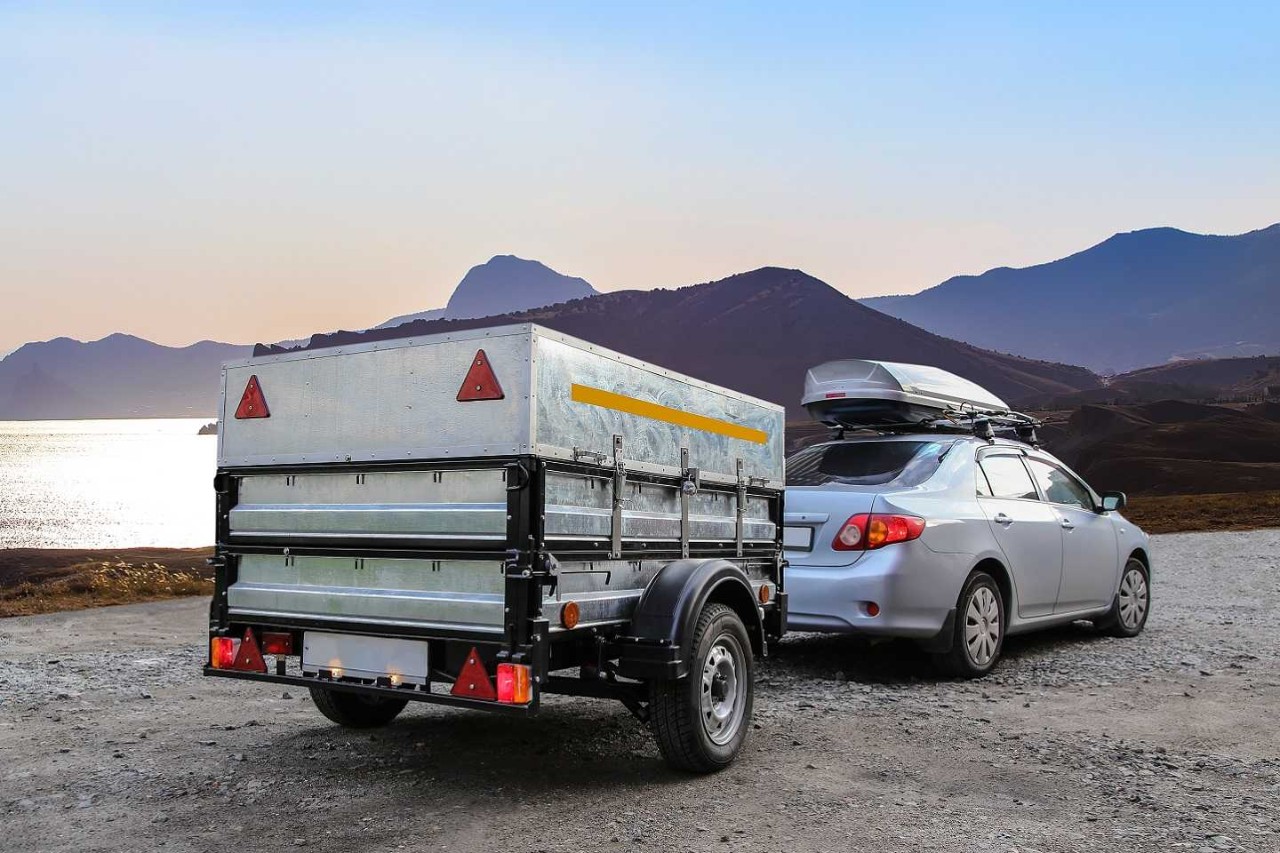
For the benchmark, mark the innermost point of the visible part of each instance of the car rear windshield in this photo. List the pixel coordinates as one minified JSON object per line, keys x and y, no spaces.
{"x":865,"y":463}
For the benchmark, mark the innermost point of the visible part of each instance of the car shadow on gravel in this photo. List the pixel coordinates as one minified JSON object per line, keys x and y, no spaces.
{"x":842,"y":658}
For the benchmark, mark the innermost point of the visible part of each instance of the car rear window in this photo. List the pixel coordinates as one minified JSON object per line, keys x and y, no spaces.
{"x":865,"y":463}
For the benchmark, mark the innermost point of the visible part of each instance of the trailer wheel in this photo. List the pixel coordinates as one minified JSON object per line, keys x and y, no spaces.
{"x":355,"y":711}
{"x":701,"y":721}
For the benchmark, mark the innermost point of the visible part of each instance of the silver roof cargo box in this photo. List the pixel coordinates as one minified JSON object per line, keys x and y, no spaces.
{"x":857,"y":393}
{"x":501,"y":391}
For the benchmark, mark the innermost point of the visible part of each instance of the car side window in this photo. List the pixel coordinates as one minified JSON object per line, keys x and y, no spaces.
{"x":1058,"y":486}
{"x":1008,"y":478}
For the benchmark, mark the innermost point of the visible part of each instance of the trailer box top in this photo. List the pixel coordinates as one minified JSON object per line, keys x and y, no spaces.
{"x":502,"y":391}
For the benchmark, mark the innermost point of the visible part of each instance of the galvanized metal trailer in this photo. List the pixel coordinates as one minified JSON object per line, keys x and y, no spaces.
{"x":407,"y":520}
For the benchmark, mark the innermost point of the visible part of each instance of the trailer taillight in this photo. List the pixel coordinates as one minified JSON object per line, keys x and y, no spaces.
{"x":514,"y":684}
{"x":277,"y":643}
{"x":222,"y":652}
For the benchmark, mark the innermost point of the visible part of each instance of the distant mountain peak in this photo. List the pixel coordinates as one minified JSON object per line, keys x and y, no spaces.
{"x":506,"y":283}
{"x":502,"y":285}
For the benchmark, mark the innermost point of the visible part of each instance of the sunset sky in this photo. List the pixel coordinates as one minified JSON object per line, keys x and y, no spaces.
{"x":246,"y":171}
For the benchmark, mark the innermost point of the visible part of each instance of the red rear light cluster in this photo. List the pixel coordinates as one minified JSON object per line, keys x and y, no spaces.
{"x":277,"y":643}
{"x":514,"y":681}
{"x":868,"y":531}
{"x":222,"y":652}
{"x":513,"y":684}
{"x":230,"y":653}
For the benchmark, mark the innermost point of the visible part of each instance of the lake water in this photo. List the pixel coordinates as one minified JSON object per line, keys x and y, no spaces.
{"x":106,"y":484}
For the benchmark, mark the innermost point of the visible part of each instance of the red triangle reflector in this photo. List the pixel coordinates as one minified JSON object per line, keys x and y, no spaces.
{"x":481,"y":383}
{"x":252,"y":403}
{"x":473,"y":679}
{"x":249,"y":658}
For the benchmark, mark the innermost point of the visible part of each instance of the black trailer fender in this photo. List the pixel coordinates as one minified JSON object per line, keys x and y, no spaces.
{"x":660,"y":643}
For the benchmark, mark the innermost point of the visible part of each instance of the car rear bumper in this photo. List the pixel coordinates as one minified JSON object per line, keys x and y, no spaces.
{"x":913,"y":588}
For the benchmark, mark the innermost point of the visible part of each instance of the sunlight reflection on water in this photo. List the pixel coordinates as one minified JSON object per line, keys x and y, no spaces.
{"x":106,"y":484}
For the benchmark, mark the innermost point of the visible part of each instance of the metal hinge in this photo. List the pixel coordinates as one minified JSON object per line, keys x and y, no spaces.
{"x":595,"y":456}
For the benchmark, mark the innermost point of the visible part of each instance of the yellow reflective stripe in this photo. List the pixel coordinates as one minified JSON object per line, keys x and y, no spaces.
{"x":653,"y":411}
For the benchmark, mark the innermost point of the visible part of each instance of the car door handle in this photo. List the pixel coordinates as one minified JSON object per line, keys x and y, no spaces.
{"x":1001,"y":518}
{"x":1067,"y":524}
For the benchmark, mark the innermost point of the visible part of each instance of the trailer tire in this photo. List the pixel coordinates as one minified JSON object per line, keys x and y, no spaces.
{"x":702,"y":720}
{"x":355,"y":711}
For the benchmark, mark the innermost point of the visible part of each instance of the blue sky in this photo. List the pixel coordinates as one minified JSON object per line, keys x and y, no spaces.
{"x":251,"y":171}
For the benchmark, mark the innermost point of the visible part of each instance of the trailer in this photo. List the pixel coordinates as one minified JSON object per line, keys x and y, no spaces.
{"x":484,"y":517}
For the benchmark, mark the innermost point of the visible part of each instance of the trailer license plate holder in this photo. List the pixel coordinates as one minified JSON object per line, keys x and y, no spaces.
{"x":363,"y":657}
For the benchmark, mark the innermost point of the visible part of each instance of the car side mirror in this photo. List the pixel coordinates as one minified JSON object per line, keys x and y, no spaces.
{"x":1114,"y":501}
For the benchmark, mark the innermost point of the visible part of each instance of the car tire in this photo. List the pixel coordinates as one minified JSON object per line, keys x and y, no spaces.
{"x":978,"y":635}
{"x":1132,"y":604}
{"x":701,"y":721}
{"x":355,"y":711}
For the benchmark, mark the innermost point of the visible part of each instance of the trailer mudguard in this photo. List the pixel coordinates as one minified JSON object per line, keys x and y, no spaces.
{"x":661,"y":638}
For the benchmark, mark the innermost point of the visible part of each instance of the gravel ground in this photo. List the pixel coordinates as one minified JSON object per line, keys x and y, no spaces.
{"x":110,"y":740}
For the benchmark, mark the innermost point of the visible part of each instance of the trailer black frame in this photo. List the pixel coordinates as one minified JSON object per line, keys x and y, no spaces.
{"x":614,"y":663}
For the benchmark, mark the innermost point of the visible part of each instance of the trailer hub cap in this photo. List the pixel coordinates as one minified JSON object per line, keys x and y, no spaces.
{"x":721,"y":703}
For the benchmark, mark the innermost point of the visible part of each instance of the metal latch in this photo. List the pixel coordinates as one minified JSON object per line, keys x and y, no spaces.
{"x":690,"y":482}
{"x":619,"y":485}
{"x":741,"y":509}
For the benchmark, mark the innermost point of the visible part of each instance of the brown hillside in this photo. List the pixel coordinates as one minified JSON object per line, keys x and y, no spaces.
{"x":1170,"y":447}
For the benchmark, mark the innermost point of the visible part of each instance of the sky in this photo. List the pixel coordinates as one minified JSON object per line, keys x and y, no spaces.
{"x":253,"y":172}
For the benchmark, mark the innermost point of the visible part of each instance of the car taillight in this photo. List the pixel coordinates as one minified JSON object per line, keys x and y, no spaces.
{"x":868,"y":531}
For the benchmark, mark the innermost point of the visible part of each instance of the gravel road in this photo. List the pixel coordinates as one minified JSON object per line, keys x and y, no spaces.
{"x":110,"y":740}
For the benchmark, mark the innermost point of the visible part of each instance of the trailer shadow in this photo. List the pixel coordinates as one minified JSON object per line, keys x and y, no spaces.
{"x":571,"y":745}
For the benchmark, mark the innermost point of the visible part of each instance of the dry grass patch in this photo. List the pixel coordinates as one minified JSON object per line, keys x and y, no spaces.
{"x":1187,"y":513}
{"x":100,"y":582}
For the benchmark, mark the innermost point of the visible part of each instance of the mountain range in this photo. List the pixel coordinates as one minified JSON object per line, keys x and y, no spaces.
{"x":757,"y":332}
{"x":118,"y":376}
{"x":1135,"y":300}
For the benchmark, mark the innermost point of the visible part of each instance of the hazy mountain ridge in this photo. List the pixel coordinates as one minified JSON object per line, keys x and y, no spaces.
{"x":1134,"y":300}
{"x":117,"y":376}
{"x":757,"y":332}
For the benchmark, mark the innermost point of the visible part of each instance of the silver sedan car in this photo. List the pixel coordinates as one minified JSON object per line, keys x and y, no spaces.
{"x":956,"y":542}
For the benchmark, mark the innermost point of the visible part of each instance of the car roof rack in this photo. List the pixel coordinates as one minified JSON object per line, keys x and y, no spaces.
{"x":981,"y":424}
{"x":891,"y":397}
